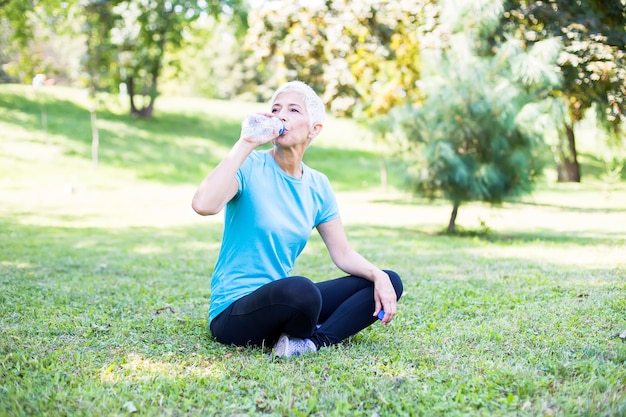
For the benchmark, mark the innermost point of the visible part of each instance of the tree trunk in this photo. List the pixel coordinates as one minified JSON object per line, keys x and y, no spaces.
{"x":455,"y":211}
{"x":383,"y":173}
{"x":95,"y":138}
{"x":154,"y":70}
{"x":130,"y":85}
{"x":144,"y":112}
{"x":569,"y":168}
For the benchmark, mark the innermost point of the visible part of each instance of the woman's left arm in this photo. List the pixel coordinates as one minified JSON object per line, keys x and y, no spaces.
{"x":353,"y":263}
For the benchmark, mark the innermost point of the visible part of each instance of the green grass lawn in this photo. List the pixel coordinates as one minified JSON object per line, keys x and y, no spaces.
{"x":105,"y":282}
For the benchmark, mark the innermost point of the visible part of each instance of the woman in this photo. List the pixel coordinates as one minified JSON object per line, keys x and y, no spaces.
{"x":273,"y":201}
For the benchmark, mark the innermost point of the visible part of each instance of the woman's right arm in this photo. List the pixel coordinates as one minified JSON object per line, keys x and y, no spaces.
{"x":220,"y":186}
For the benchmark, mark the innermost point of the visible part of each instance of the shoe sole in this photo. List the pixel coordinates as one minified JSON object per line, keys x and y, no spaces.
{"x":282,"y":346}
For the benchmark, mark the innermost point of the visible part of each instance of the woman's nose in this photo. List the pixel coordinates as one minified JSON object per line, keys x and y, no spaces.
{"x":282,"y":114}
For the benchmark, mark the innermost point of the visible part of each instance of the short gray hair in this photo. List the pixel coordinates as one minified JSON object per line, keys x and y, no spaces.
{"x":313,"y":103}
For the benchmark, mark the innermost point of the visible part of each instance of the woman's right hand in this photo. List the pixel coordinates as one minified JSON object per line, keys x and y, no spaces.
{"x":260,"y":140}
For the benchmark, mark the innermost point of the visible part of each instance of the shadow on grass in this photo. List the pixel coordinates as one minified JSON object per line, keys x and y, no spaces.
{"x":593,"y":167}
{"x":467,"y":239}
{"x":546,"y":236}
{"x":575,"y":209}
{"x":416,"y":201}
{"x":171,"y":148}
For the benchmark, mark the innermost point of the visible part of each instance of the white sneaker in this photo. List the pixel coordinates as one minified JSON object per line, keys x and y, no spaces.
{"x":292,"y":346}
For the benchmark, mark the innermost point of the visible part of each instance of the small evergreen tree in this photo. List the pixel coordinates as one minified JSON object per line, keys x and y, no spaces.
{"x":476,"y":135}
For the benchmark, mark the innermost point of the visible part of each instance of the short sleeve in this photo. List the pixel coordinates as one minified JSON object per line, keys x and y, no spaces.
{"x":329,"y":209}
{"x":244,"y":172}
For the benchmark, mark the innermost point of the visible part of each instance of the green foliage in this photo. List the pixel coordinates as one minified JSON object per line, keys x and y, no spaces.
{"x":126,"y":40}
{"x":17,"y":13}
{"x":29,"y":40}
{"x":471,"y":148}
{"x":592,"y":61}
{"x":5,"y":50}
{"x":208,"y":65}
{"x":99,"y":61}
{"x":363,"y":56}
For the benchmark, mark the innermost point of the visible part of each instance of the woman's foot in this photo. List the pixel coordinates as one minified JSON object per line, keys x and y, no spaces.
{"x":293,"y":346}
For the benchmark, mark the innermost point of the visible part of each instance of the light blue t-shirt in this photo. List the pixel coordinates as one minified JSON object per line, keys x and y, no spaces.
{"x":266,"y":226}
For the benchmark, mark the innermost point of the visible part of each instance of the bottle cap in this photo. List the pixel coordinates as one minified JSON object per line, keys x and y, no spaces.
{"x":281,"y":127}
{"x":381,"y":314}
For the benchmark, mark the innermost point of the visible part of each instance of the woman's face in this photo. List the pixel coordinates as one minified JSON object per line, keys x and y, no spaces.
{"x":289,"y":107}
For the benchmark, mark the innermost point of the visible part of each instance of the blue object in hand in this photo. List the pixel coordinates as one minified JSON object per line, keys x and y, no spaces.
{"x":381,"y":314}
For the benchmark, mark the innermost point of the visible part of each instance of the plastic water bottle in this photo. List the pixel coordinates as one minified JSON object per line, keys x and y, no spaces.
{"x":261,"y":127}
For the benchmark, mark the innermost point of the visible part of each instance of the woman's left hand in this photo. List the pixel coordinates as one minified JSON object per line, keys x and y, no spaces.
{"x":384,"y":297}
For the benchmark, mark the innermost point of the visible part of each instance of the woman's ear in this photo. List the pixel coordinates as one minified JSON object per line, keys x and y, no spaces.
{"x":315,"y":130}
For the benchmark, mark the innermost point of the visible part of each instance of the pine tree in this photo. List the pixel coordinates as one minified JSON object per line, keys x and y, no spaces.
{"x":476,"y":136}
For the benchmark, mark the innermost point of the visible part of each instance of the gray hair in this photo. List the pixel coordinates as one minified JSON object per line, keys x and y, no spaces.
{"x":313,"y":103}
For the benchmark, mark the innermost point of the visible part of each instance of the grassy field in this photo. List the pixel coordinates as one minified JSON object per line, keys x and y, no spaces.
{"x":104,"y":277}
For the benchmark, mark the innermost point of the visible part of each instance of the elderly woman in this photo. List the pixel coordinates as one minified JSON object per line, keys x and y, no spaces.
{"x":273,"y":201}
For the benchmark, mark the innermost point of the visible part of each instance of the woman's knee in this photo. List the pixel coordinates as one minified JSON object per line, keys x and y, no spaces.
{"x":300,"y":291}
{"x":396,"y":281}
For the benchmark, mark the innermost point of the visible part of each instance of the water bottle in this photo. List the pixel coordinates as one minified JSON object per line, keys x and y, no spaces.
{"x":261,"y":127}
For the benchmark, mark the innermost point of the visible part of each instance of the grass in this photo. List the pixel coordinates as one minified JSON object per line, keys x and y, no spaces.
{"x":105,"y":283}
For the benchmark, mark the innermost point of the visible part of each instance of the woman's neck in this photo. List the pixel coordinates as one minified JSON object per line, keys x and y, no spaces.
{"x":289,"y":160}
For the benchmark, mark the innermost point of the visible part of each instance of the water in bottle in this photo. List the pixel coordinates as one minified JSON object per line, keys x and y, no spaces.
{"x":261,"y":127}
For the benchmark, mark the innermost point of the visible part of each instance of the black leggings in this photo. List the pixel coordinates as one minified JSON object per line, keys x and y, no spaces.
{"x":296,"y":305}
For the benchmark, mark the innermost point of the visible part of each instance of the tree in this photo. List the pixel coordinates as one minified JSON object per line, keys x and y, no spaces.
{"x":26,"y":29}
{"x":363,"y":56}
{"x":201,"y":68}
{"x":5,"y":53}
{"x":593,"y":63}
{"x":145,"y":30}
{"x":126,"y":40}
{"x":475,"y":137}
{"x":18,"y":12}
